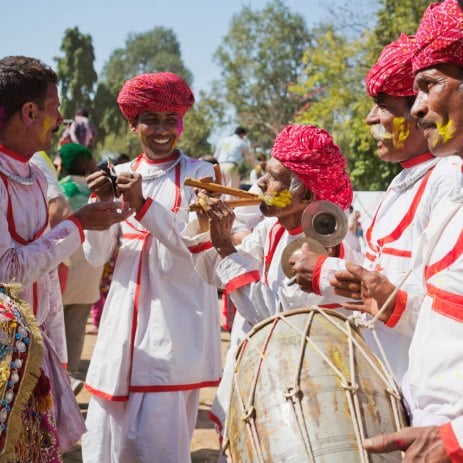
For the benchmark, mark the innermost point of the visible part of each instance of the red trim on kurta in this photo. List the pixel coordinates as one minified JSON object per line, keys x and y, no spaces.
{"x":317,"y":270}
{"x":13,"y":154}
{"x":77,"y":223}
{"x":178,"y":190}
{"x":330,"y":306}
{"x":275,"y":235}
{"x":173,"y":387}
{"x":407,"y":219}
{"x":10,"y":217}
{"x":342,"y":251}
{"x":448,"y":304}
{"x":141,"y":213}
{"x":217,"y":422}
{"x":242,"y":280}
{"x":200,"y":247}
{"x":417,"y":160}
{"x":295,"y":231}
{"x":451,"y":444}
{"x":105,"y":396}
{"x":396,"y":252}
{"x":447,"y":260}
{"x":35,"y":298}
{"x":399,"y":308}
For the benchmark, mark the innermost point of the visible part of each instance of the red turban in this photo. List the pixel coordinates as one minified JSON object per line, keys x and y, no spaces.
{"x":439,"y":38}
{"x":162,"y":92}
{"x":312,"y":155}
{"x":393,"y":72}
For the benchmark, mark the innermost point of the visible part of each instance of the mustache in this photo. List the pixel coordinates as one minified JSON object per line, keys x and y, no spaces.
{"x":380,"y":133}
{"x":424,"y":124}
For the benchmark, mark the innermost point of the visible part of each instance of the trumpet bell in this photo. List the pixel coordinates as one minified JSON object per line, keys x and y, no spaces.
{"x":295,"y":248}
{"x":324,"y":222}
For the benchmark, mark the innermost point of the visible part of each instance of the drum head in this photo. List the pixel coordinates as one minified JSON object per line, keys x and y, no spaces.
{"x":324,"y":222}
{"x":295,"y":248}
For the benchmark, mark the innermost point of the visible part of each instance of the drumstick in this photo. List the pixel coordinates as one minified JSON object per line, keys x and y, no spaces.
{"x":217,"y":188}
{"x":232,"y":203}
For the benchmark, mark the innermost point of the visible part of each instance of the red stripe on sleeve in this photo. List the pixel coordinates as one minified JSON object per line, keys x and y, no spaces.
{"x":317,"y":270}
{"x":452,"y":447}
{"x":242,"y":280}
{"x":400,"y":305}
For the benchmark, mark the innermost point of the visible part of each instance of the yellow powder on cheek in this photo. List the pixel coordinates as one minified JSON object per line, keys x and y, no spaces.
{"x":279,"y":199}
{"x":445,"y":131}
{"x":400,"y":132}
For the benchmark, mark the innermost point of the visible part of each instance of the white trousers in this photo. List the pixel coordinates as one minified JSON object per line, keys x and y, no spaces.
{"x":148,"y":428}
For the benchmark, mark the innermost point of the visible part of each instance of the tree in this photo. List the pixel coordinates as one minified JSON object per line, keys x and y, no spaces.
{"x":260,"y":57}
{"x":76,"y":73}
{"x":153,"y":51}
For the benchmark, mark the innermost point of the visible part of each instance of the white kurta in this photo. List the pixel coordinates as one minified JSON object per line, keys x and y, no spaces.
{"x":399,"y":221}
{"x":433,"y":384}
{"x":160,"y":327}
{"x":29,"y":251}
{"x":254,"y":278}
{"x":29,"y":254}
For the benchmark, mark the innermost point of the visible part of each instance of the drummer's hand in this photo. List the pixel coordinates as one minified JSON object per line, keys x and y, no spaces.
{"x":303,"y":263}
{"x":221,"y":218}
{"x":420,"y":444}
{"x":371,"y":289}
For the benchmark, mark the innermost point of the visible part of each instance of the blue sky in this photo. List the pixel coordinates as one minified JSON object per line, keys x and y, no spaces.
{"x":36,"y":28}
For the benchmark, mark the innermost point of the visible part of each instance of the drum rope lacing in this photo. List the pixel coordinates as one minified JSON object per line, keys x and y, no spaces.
{"x":295,"y":394}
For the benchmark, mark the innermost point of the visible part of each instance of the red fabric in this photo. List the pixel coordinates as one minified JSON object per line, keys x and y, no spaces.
{"x":312,"y":155}
{"x":439,"y":38}
{"x":393,"y":72}
{"x":162,"y":92}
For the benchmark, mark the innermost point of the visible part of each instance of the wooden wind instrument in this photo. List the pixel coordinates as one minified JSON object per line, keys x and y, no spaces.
{"x":246,"y":198}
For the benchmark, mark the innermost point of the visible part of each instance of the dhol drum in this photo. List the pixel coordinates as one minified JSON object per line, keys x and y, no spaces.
{"x":307,"y":388}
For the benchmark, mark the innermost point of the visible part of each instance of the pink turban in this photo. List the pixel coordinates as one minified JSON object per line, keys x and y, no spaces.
{"x":312,"y":155}
{"x":439,"y":37}
{"x":393,"y":72}
{"x":162,"y":92}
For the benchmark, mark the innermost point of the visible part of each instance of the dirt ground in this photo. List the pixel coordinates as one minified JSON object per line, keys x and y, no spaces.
{"x":205,"y":442}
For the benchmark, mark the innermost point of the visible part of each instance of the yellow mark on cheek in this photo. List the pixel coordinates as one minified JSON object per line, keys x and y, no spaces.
{"x":279,"y":199}
{"x":48,"y":122}
{"x":400,"y":132}
{"x":445,"y":132}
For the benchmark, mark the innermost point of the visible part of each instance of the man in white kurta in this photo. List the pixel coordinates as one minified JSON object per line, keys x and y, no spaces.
{"x":433,"y":383}
{"x":410,"y":199}
{"x":29,"y":250}
{"x":159,"y":337}
{"x":252,"y":273}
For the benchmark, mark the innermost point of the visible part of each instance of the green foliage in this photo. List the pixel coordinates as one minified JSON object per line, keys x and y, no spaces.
{"x":76,"y":73}
{"x":260,"y":57}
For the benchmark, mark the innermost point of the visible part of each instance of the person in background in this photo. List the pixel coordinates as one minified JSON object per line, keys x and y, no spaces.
{"x":158,"y":341}
{"x":81,"y":130}
{"x":231,"y":152}
{"x":48,"y":422}
{"x":259,"y":169}
{"x":83,"y":280}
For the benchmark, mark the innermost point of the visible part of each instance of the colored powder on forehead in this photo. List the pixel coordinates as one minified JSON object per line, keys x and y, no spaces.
{"x":279,"y":199}
{"x":400,"y":132}
{"x":445,"y":131}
